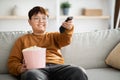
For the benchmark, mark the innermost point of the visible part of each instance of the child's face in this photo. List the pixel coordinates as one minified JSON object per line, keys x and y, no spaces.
{"x":38,"y":23}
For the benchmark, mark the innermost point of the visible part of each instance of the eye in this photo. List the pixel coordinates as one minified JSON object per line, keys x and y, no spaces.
{"x":44,"y":18}
{"x":36,"y":18}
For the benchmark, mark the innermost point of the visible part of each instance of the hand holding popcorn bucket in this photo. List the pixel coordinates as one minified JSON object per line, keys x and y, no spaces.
{"x":35,"y":57}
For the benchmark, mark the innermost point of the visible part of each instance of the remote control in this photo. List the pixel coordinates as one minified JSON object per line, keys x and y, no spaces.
{"x":62,"y":29}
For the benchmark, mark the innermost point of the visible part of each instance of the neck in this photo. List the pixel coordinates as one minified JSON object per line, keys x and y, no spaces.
{"x":38,"y":33}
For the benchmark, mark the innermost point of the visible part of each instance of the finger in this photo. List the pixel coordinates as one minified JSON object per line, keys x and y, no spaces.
{"x":23,"y":70}
{"x":63,"y":24}
{"x":24,"y":65}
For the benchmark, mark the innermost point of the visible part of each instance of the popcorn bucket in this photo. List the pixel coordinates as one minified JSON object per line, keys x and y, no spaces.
{"x":35,"y":57}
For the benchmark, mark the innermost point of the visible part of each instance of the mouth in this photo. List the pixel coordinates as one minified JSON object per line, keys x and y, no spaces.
{"x":41,"y":26}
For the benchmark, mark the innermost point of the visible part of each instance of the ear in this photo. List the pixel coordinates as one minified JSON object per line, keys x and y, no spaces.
{"x":29,"y":21}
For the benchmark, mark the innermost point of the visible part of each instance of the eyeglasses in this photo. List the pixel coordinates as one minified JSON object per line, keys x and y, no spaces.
{"x":40,"y":19}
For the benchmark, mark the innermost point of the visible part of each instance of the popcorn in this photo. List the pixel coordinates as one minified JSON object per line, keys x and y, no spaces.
{"x":32,"y":48}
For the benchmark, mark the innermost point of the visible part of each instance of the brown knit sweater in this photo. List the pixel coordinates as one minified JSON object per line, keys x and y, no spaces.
{"x":51,"y":41}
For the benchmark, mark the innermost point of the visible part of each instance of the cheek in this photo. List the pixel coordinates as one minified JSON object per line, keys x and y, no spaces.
{"x":45,"y":25}
{"x":32,"y":23}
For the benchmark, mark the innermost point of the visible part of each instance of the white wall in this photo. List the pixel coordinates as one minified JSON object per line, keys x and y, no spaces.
{"x":78,"y":5}
{"x":81,"y":25}
{"x":23,"y":6}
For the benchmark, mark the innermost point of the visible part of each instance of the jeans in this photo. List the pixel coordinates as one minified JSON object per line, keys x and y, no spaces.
{"x":55,"y":72}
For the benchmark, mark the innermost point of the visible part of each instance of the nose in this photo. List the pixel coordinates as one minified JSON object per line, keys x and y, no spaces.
{"x":41,"y":20}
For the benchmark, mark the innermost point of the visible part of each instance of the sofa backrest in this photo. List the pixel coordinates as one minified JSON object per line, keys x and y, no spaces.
{"x":89,"y":49}
{"x":6,"y":42}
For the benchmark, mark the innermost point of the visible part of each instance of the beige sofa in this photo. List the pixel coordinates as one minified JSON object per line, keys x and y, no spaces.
{"x":88,"y":50}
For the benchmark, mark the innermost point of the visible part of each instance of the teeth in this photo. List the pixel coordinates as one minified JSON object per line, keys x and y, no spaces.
{"x":40,"y":25}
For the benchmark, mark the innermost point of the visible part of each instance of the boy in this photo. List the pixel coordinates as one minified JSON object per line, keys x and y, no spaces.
{"x":55,"y":68}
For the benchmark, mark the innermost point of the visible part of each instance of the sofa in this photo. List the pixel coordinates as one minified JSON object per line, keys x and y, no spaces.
{"x":88,"y":50}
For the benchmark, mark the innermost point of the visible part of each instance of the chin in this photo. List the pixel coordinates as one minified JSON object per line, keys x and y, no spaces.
{"x":42,"y":31}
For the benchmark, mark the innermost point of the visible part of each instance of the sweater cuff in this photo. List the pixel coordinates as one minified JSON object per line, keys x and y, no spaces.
{"x":19,"y":69}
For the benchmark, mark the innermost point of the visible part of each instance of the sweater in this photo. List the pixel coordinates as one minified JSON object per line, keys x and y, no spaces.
{"x":52,"y":41}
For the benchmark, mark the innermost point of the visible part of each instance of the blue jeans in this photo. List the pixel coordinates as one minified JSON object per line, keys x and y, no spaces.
{"x":55,"y":72}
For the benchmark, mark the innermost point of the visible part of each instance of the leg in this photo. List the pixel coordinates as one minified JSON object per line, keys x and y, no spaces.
{"x":64,"y":72}
{"x":34,"y":74}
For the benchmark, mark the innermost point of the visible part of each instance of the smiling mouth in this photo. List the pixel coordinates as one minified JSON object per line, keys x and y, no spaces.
{"x":41,"y":25}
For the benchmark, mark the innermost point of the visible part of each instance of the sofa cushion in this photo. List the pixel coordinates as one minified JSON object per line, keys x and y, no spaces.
{"x":103,"y":74}
{"x":89,"y":49}
{"x":113,"y":58}
{"x":6,"y":41}
{"x":7,"y":77}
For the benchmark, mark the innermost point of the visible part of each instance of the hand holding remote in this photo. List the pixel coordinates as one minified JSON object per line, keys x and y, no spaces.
{"x":62,"y":29}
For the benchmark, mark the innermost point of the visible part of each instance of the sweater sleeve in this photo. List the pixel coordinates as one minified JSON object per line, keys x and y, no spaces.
{"x":15,"y":58}
{"x":65,"y":38}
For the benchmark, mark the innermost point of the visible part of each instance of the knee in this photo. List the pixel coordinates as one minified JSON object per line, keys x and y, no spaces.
{"x":75,"y":69}
{"x":28,"y":75}
{"x":33,"y":75}
{"x":79,"y":73}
